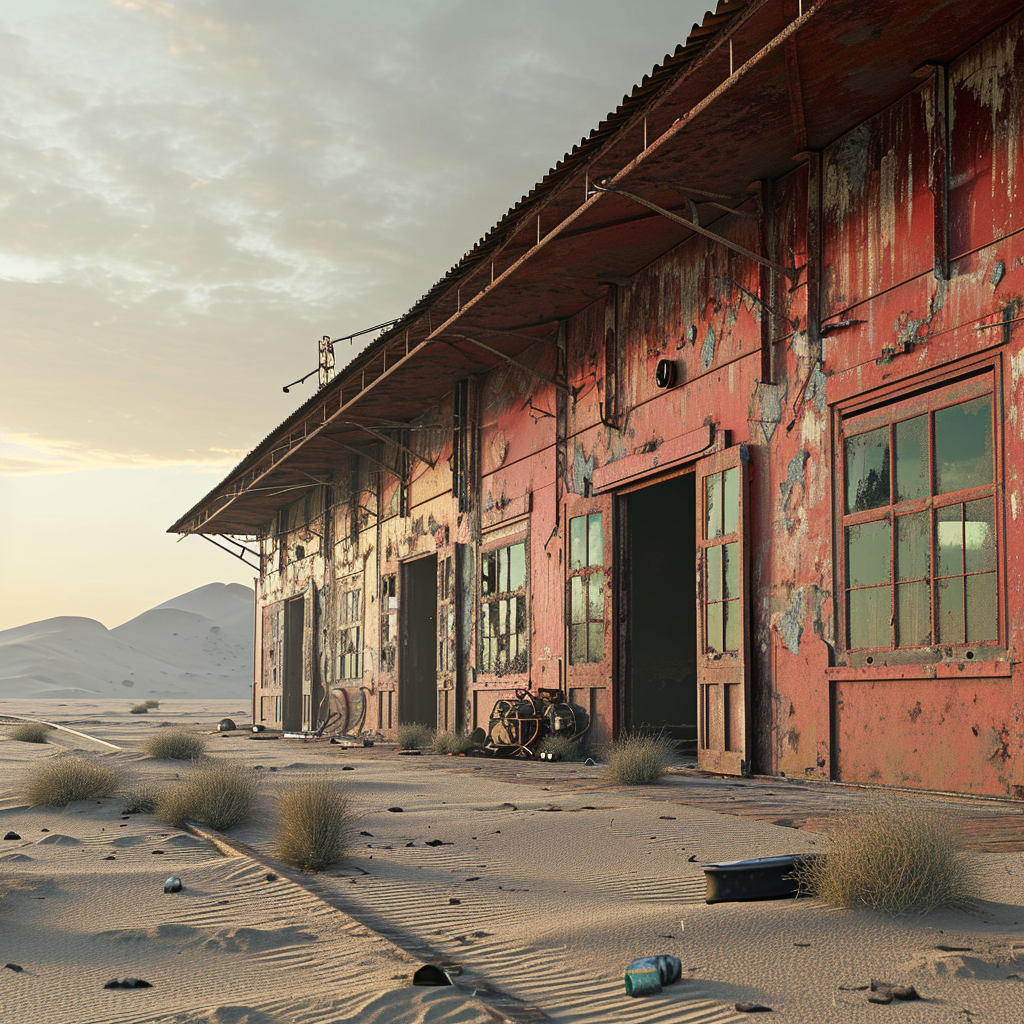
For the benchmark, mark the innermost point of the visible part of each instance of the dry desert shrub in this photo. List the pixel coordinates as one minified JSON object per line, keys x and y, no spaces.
{"x":452,"y":743}
{"x":895,"y":857}
{"x":139,"y":709}
{"x":142,"y":800}
{"x":151,"y":704}
{"x":639,"y":760}
{"x":62,"y":780}
{"x":219,"y":795}
{"x":561,"y":748}
{"x":176,"y":745}
{"x":314,"y":824}
{"x":29,"y":732}
{"x":414,"y":736}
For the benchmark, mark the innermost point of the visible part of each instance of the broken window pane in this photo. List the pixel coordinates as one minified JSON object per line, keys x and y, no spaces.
{"x":595,"y":609}
{"x":503,"y":586}
{"x":714,"y":587}
{"x":731,"y":499}
{"x":731,"y":610}
{"x":517,"y":567}
{"x":596,"y":645}
{"x":982,"y":608}
{"x":713,"y":505}
{"x":596,"y":539}
{"x":731,"y":575}
{"x":577,"y":542}
{"x":913,"y":547}
{"x":963,"y":445}
{"x":912,"y":476}
{"x":868,"y":554}
{"x":715,"y":630}
{"x":949,"y":610}
{"x":576,"y":599}
{"x":979,"y":535}
{"x":578,"y":643}
{"x":868,"y":615}
{"x":913,"y":615}
{"x":867,"y":470}
{"x":949,"y":540}
{"x":488,"y":572}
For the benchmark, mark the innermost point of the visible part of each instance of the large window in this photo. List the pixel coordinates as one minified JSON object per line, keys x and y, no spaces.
{"x":350,"y":631}
{"x":919,"y":537}
{"x":503,"y":620}
{"x":722,"y":607}
{"x":586,"y":589}
{"x":388,"y":622}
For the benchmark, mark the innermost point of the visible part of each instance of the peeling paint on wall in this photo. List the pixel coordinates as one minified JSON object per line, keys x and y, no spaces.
{"x":707,"y":352}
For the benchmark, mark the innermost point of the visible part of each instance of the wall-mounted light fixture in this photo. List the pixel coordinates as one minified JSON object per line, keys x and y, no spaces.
{"x":665,"y":373}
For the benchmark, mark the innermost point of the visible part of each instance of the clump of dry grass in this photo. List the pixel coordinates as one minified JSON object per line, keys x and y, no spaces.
{"x":219,"y":795}
{"x":139,"y":709}
{"x":414,"y":736}
{"x":452,"y":743}
{"x":62,"y":780}
{"x":895,"y":857}
{"x":314,"y":824}
{"x":143,"y":800}
{"x":639,"y":760}
{"x":176,"y":744}
{"x":561,"y":748}
{"x":29,"y":732}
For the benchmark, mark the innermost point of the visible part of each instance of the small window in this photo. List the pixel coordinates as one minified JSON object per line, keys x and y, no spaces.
{"x":350,"y":634}
{"x":586,"y":589}
{"x":503,"y":616}
{"x":388,"y":622}
{"x":919,"y":530}
{"x":722,"y":607}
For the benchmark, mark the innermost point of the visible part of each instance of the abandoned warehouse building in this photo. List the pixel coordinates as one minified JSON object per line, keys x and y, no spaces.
{"x":718,"y":430}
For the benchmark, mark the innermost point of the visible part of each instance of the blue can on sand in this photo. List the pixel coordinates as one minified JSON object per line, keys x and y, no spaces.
{"x":650,"y":974}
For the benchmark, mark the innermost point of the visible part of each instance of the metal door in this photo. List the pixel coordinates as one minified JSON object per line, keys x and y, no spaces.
{"x":723,"y":671}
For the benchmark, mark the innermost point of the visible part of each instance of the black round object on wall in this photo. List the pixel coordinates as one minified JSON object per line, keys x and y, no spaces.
{"x":665,"y":373}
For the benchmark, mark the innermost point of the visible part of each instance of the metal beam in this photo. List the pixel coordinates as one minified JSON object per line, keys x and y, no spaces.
{"x":237,"y":555}
{"x":390,"y":440}
{"x":510,"y":359}
{"x":788,"y":272}
{"x":363,"y":455}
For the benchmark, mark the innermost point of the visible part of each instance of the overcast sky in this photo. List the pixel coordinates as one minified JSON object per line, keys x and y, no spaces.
{"x":192,"y":193}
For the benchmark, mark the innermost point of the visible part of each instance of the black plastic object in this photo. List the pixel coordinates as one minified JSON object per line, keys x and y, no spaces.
{"x":226,"y":725}
{"x":128,"y":983}
{"x":763,"y":878}
{"x":665,"y":373}
{"x":173,"y":884}
{"x":12,"y":835}
{"x":649,"y":974}
{"x":428,"y":974}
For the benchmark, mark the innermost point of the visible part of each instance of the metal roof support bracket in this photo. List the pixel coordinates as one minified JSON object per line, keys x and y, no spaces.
{"x":238,"y":554}
{"x":511,"y":359}
{"x":363,"y":455}
{"x":788,"y":272}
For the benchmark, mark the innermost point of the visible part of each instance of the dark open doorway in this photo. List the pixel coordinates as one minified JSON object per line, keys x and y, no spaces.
{"x":291,"y":683}
{"x":661,"y":661}
{"x":417,"y":668}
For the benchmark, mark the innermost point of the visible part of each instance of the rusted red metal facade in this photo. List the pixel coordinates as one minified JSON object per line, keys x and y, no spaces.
{"x":719,"y":430}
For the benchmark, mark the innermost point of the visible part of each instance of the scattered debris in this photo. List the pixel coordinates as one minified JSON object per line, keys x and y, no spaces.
{"x":270,"y":877}
{"x":752,"y":1008}
{"x":762,"y":878}
{"x":453,"y":902}
{"x":649,"y":974}
{"x":226,"y":725}
{"x":128,"y":983}
{"x":884,"y":992}
{"x":435,"y":842}
{"x":17,"y":968}
{"x":370,"y":834}
{"x":428,"y":974}
{"x":111,"y":857}
{"x":155,"y":852}
{"x":14,"y":835}
{"x":347,"y":768}
{"x":395,"y":810}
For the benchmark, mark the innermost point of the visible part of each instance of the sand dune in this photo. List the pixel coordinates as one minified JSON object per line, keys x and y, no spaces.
{"x":197,"y":644}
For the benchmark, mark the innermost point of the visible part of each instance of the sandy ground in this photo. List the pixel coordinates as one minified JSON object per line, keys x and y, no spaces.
{"x":549,"y":882}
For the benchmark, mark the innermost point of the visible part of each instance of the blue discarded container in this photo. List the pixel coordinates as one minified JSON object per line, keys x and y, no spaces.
{"x":650,"y":974}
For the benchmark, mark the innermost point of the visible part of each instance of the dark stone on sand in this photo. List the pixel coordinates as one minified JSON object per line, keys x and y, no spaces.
{"x":453,"y":902}
{"x":347,"y":768}
{"x":111,"y":857}
{"x":173,"y":884}
{"x":270,"y":876}
{"x":156,"y":851}
{"x":370,"y":834}
{"x":752,"y":1008}
{"x":12,"y":835}
{"x":883,"y":996}
{"x":128,"y":983}
{"x":437,"y":842}
{"x":17,"y":968}
{"x":44,"y":830}
{"x":395,"y":810}
{"x":428,"y":974}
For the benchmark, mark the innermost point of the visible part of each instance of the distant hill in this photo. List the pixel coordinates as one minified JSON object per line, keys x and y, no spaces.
{"x":198,"y":644}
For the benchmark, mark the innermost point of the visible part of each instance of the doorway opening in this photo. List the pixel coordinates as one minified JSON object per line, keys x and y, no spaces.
{"x":417,"y":669}
{"x":661,"y":661}
{"x":291,"y":683}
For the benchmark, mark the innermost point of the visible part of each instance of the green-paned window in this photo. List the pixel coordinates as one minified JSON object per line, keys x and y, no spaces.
{"x":504,"y":644}
{"x":586,"y":585}
{"x":919,"y":529}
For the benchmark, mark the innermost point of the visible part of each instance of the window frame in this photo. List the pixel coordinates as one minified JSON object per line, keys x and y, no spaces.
{"x":585,"y":573}
{"x":900,"y":402}
{"x":348,"y":586}
{"x":505,"y":535}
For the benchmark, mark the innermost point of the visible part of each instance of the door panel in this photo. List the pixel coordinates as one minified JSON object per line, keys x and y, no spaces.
{"x":723,"y":672}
